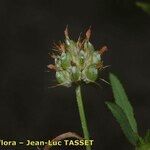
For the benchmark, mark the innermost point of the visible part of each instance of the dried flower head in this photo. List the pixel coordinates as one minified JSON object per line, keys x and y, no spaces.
{"x":77,"y":61}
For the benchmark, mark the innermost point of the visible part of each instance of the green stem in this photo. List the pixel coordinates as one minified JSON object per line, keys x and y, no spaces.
{"x":82,"y":115}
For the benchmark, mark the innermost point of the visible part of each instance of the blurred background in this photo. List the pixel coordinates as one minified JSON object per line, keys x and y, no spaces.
{"x":29,"y":109}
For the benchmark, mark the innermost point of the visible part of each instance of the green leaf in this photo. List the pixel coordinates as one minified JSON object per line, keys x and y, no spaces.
{"x":145,"y":6}
{"x":121,"y":100}
{"x":123,"y":121}
{"x":147,"y":136}
{"x":143,"y":147}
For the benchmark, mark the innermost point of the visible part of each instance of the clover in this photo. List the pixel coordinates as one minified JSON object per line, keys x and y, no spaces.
{"x":76,"y":62}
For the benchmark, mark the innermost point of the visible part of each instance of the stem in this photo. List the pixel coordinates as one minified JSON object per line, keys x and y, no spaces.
{"x":82,"y":115}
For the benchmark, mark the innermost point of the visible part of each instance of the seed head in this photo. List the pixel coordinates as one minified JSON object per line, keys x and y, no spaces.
{"x":77,"y":61}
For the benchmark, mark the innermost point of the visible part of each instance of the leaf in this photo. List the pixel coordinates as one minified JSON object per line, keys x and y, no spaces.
{"x":123,"y":121}
{"x":147,"y":136}
{"x":121,"y":100}
{"x":145,"y":6}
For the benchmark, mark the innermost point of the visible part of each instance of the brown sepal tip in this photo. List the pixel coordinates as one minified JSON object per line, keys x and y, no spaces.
{"x":53,"y":56}
{"x":88,"y":33}
{"x":66,"y":32}
{"x":62,"y":47}
{"x":51,"y":67}
{"x":99,"y":65}
{"x":103,"y":49}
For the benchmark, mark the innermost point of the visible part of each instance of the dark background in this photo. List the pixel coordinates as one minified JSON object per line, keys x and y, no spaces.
{"x":31,"y":110}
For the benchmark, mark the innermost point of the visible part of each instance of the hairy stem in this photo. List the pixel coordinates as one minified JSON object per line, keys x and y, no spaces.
{"x":82,"y":115}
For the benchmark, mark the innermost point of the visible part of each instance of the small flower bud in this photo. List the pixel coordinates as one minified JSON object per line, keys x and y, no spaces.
{"x":65,"y":60}
{"x":76,"y":74}
{"x":63,"y":77}
{"x":91,"y":74}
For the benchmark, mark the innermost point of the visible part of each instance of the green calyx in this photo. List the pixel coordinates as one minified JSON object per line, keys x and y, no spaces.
{"x":77,"y":61}
{"x":90,"y":74}
{"x":65,"y":60}
{"x":63,"y":77}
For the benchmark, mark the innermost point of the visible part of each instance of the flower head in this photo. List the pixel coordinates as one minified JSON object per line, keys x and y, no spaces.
{"x":77,"y":61}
